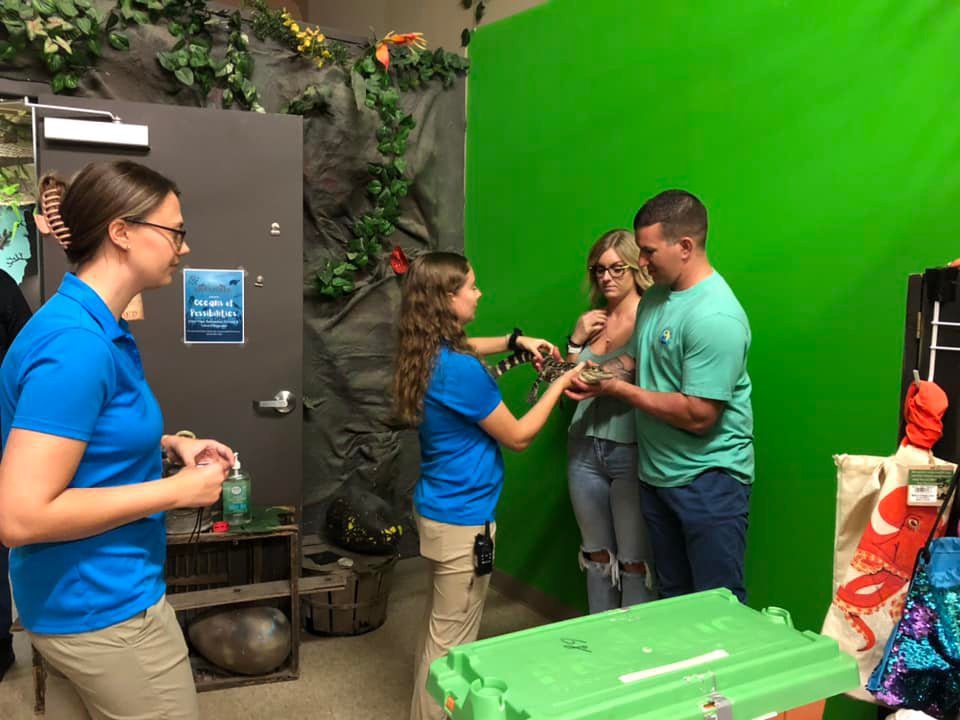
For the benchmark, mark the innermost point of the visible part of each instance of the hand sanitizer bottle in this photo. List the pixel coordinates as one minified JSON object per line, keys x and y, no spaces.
{"x":236,"y":495}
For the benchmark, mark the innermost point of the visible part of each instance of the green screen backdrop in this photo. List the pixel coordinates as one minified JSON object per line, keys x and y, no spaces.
{"x":823,"y":140}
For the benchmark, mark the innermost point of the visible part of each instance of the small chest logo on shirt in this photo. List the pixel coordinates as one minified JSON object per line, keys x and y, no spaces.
{"x":665,"y":337}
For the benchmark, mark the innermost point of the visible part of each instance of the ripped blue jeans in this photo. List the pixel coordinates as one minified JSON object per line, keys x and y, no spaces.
{"x":605,"y":493}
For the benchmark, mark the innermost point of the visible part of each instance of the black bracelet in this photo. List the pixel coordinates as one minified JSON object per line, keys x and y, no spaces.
{"x":512,"y":342}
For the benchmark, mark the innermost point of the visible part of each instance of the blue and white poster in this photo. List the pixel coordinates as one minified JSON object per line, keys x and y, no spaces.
{"x":213,"y":306}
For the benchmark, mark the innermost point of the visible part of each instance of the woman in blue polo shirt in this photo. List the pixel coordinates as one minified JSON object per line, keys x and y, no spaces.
{"x":81,"y":499}
{"x":442,"y":386}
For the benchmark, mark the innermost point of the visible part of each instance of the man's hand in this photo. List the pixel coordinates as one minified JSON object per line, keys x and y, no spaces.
{"x":579,"y":390}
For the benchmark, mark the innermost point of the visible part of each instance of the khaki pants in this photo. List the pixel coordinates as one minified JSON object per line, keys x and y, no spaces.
{"x":134,"y":670}
{"x":454,"y":603}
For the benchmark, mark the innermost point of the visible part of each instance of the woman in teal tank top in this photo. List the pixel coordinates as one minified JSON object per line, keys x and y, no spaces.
{"x":602,"y":446}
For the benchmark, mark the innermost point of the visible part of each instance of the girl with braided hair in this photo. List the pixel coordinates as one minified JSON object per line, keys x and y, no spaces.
{"x":82,"y":501}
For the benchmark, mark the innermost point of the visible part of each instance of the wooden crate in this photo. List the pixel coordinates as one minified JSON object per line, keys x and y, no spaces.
{"x":221,"y":570}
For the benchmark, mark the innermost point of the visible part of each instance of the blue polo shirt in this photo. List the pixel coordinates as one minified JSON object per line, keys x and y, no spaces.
{"x":75,"y":372}
{"x":461,"y":468}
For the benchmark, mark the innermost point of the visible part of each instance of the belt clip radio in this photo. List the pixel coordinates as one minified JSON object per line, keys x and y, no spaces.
{"x":483,"y":552}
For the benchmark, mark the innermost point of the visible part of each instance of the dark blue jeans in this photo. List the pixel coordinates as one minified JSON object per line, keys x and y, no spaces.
{"x":698,"y":533}
{"x":6,"y":605}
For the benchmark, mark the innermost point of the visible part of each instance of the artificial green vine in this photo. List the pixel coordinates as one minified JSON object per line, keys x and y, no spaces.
{"x":189,"y":59}
{"x":64,"y":33}
{"x":378,"y":88}
{"x":307,"y":42}
{"x":237,"y":69}
{"x":67,"y":34}
{"x":139,"y":12}
{"x":478,"y":14}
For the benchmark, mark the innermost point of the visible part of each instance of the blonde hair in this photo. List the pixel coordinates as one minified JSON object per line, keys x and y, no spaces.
{"x":624,"y":244}
{"x":427,"y":321}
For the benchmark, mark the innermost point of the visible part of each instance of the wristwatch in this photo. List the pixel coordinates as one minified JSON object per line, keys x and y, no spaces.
{"x":572,"y":347}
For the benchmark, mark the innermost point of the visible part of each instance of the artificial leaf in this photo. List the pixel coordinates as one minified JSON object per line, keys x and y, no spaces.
{"x":35,"y":29}
{"x":185,"y":75}
{"x":58,"y":83}
{"x":481,"y":10}
{"x":175,"y":28}
{"x":67,"y":8}
{"x":85,"y":26}
{"x":44,"y":7}
{"x":375,"y":187}
{"x":390,"y":97}
{"x":112,"y":20}
{"x":50,"y":47}
{"x":54,"y":62}
{"x":198,"y":56}
{"x":227,"y":97}
{"x":140,"y":17}
{"x":359,"y":88}
{"x":118,"y":41}
{"x":71,"y":81}
{"x":93,"y":45}
{"x":167,"y":61}
{"x":245,"y":64}
{"x":465,"y":37}
{"x":65,"y":44}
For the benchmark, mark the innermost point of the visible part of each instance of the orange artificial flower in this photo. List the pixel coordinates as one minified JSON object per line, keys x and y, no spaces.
{"x":383,"y":55}
{"x":414,"y":40}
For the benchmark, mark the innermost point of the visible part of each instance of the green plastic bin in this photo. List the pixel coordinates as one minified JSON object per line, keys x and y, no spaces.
{"x":701,"y":656}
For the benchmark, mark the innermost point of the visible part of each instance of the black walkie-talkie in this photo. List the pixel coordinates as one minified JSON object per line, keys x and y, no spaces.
{"x":483,"y":552}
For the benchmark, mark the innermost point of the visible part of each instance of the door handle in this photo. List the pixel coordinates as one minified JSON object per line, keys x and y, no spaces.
{"x":283,"y":402}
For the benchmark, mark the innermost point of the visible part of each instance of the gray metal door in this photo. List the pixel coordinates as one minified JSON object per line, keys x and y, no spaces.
{"x":239,"y":173}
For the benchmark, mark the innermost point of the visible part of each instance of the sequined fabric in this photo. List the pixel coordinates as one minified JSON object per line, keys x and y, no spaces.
{"x":921,"y":667}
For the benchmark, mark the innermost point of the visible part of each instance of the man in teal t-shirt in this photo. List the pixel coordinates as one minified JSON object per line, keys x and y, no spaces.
{"x":692,"y":395}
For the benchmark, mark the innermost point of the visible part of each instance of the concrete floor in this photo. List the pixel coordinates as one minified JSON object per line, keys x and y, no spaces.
{"x":352,"y":678}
